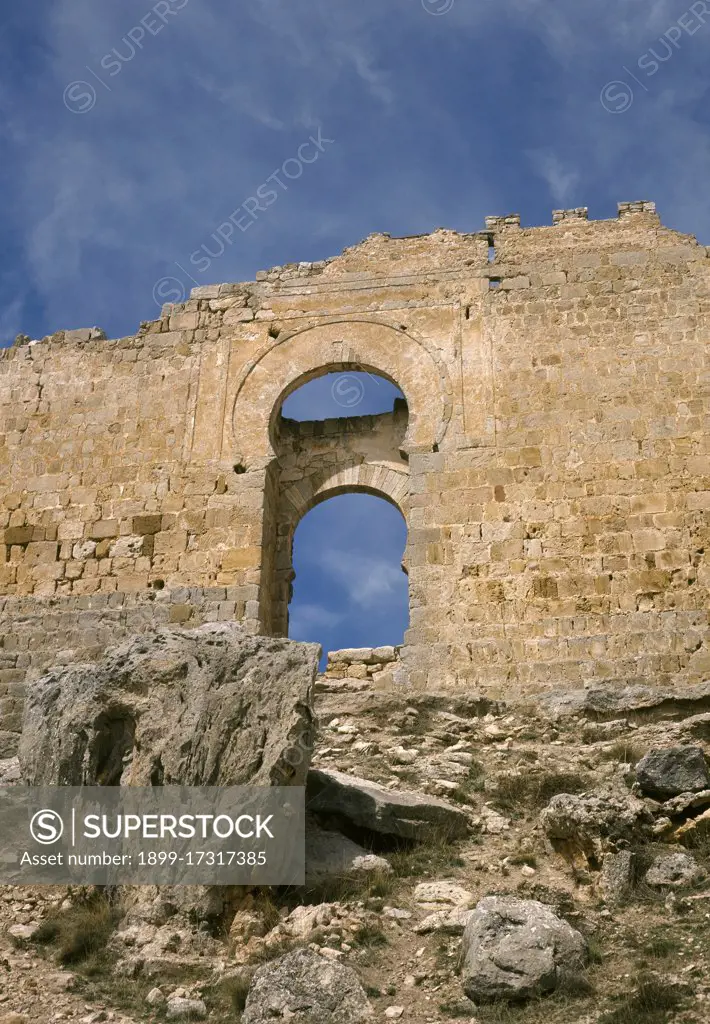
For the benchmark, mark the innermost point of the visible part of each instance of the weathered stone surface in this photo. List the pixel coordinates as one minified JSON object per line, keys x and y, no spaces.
{"x":445,"y":922}
{"x":23,"y":932}
{"x":180,"y":1008}
{"x":10,"y":771}
{"x":674,"y":869}
{"x":611,"y":701}
{"x":392,"y":812}
{"x":442,"y":893}
{"x":695,"y":830}
{"x":329,"y":854}
{"x":686,"y":802}
{"x":666,"y":773}
{"x":581,"y":826}
{"x":305,"y":988}
{"x":209,"y":707}
{"x":617,"y":877}
{"x":514,"y":949}
{"x":169,"y":950}
{"x":8,"y":744}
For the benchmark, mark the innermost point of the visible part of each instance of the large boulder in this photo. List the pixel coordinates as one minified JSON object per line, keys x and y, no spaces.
{"x":514,"y":949}
{"x":666,"y":773}
{"x":305,"y":988}
{"x":583,"y":827}
{"x":391,"y":812}
{"x":211,"y":706}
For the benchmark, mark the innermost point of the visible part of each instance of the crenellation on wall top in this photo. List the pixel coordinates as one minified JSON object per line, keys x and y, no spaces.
{"x":641,"y":206}
{"x":509,"y":220}
{"x":576,"y":213}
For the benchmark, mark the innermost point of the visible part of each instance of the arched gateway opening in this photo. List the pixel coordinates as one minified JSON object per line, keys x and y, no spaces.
{"x":328,"y":447}
{"x":349,"y":588}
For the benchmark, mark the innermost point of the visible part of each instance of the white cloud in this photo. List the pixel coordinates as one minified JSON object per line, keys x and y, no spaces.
{"x":306,"y":619}
{"x":560,"y":180}
{"x":367,"y":581}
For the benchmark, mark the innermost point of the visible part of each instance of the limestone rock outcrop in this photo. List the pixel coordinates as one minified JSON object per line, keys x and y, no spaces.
{"x":514,"y":949}
{"x":305,"y":988}
{"x":611,"y":701}
{"x":212,"y":706}
{"x":582,"y":827}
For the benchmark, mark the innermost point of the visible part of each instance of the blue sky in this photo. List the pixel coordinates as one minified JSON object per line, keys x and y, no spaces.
{"x":436,"y":112}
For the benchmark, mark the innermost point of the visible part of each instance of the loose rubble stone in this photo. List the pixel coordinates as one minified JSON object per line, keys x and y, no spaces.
{"x":685,"y":802}
{"x":666,"y":773}
{"x":305,"y":988}
{"x":442,"y":893}
{"x":695,"y":829}
{"x":445,"y":922}
{"x":514,"y":949}
{"x":23,"y":932}
{"x":674,"y":869}
{"x":209,"y":707}
{"x":185,"y":1009}
{"x":392,"y":812}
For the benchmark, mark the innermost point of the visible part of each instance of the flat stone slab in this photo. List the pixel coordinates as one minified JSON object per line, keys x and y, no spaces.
{"x":390,"y":812}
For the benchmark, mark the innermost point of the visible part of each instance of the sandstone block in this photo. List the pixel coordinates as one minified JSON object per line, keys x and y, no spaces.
{"x":102,"y":529}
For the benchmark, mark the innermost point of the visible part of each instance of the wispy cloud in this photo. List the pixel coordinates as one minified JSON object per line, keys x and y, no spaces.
{"x":367,"y":581}
{"x":560,"y":180}
{"x":307,"y":619}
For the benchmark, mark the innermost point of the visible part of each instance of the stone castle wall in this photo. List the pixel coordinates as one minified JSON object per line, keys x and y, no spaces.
{"x":552,"y":464}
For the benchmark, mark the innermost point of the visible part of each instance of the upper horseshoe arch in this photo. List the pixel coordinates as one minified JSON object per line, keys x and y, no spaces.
{"x":291,"y":361}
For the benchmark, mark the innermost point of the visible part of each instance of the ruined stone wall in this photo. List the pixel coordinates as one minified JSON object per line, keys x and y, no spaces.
{"x":553,"y":464}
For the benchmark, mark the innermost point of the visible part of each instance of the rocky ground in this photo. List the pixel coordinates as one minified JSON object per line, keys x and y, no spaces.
{"x":558,"y":811}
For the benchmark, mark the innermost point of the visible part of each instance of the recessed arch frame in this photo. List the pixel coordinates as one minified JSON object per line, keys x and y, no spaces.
{"x":377,"y":347}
